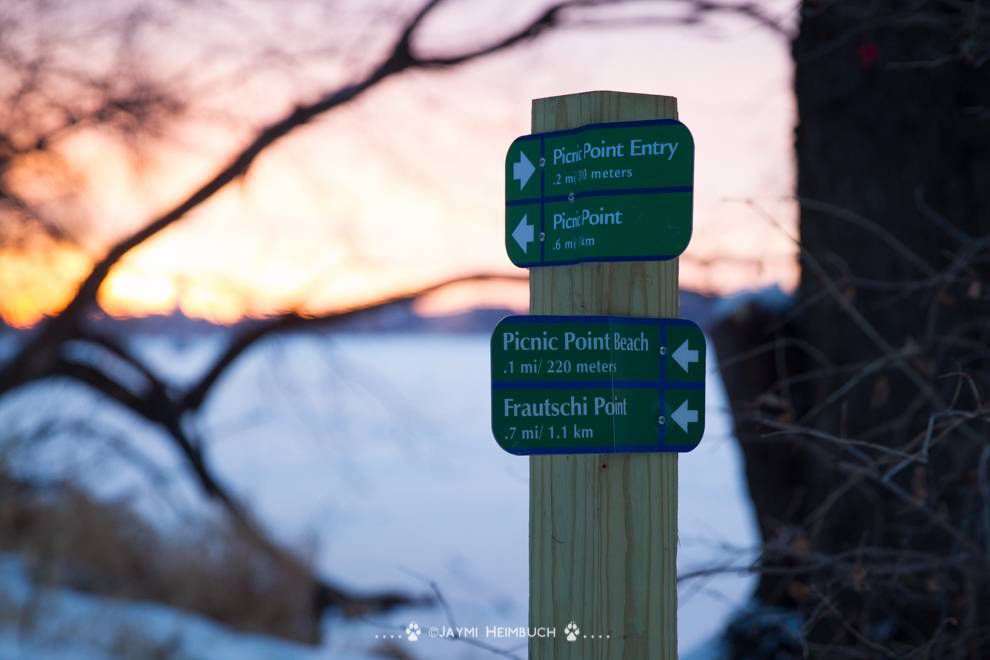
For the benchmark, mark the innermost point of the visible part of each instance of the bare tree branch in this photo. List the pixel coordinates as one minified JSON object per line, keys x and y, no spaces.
{"x":293,"y":321}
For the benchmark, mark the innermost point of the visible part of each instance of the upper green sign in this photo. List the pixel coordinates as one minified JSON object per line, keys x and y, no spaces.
{"x":597,"y":384}
{"x":602,"y":192}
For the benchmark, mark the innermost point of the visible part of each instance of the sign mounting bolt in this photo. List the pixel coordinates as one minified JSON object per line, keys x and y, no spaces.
{"x":570,"y":197}
{"x":542,"y":161}
{"x":543,"y":236}
{"x":662,"y":420}
{"x":663,"y":350}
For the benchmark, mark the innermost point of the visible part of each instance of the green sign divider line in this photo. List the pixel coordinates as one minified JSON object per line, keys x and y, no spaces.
{"x":658,"y":190}
{"x":632,"y":384}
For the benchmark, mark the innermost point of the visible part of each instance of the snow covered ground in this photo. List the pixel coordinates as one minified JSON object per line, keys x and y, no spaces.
{"x":375,"y":452}
{"x":70,"y":626}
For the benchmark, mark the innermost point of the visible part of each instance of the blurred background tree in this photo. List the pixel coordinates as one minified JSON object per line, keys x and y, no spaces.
{"x":861,"y":407}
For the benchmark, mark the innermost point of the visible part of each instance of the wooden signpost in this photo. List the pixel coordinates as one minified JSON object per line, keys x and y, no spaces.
{"x":603,"y":526}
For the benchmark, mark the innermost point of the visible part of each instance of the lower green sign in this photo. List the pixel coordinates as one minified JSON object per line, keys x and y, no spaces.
{"x":597,"y":384}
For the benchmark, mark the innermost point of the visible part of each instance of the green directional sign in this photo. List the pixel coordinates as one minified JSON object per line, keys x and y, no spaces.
{"x":597,"y":384}
{"x":603,"y":192}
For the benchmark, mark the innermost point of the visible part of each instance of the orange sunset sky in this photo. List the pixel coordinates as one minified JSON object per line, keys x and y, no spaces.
{"x":404,"y":187}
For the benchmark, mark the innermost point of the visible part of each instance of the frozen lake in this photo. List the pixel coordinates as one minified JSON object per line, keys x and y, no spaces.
{"x":375,"y":451}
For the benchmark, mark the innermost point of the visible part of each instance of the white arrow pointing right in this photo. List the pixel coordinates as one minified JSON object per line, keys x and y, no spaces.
{"x":522,"y":170}
{"x":523,"y":233}
{"x":683,"y":416}
{"x":684,"y":356}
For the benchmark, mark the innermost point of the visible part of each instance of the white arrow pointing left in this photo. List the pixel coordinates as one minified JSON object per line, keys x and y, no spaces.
{"x":523,"y":233}
{"x":684,"y":356}
{"x":684,"y":416}
{"x":522,"y":170}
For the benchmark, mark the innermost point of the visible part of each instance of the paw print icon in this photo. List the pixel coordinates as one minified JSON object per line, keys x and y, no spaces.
{"x":412,"y":631}
{"x":571,"y":632}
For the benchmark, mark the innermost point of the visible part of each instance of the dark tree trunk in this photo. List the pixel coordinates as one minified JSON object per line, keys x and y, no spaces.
{"x":890,"y":326}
